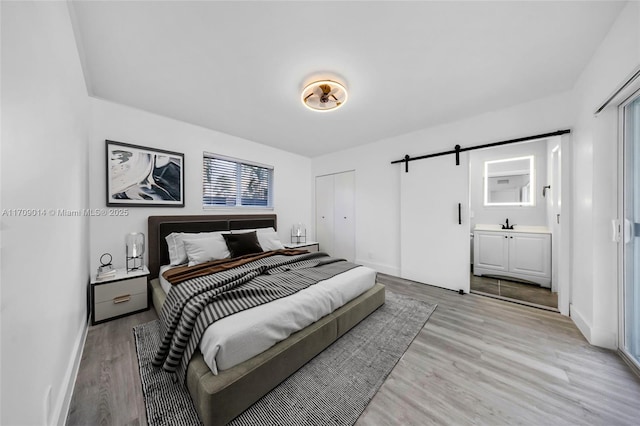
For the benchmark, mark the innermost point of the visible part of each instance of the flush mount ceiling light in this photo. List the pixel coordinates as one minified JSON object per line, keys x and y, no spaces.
{"x":324,"y":95}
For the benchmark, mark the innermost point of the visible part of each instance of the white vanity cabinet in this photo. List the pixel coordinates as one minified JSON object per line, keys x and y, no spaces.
{"x":491,"y":252}
{"x":513,"y":254}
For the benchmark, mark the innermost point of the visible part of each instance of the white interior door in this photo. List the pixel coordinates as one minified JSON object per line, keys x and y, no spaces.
{"x":344,"y":223}
{"x":434,"y":237}
{"x":325,"y":213}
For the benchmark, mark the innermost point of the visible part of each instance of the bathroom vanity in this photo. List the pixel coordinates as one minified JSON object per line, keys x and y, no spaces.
{"x":523,"y":253}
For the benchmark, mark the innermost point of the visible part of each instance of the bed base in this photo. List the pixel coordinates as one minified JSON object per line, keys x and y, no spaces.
{"x":219,"y":399}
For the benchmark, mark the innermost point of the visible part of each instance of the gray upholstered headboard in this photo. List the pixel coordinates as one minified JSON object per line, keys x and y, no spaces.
{"x":158,"y":227}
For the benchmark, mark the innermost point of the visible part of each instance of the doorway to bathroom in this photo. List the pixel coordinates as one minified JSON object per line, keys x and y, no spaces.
{"x":516,"y":217}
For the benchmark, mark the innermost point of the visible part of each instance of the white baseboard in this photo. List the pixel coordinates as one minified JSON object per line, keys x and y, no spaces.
{"x":595,"y":336}
{"x":63,"y":403}
{"x":379,"y":267}
{"x":604,"y":338}
{"x":580,"y":322}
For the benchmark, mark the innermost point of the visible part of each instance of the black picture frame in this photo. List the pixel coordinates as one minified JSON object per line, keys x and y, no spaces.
{"x":139,"y":176}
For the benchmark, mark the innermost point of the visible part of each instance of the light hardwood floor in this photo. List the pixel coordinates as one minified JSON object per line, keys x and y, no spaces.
{"x":485,"y":361}
{"x":477,"y":361}
{"x":108,"y":389}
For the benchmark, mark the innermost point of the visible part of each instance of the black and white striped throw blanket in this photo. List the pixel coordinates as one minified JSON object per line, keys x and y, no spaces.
{"x":193,"y":305}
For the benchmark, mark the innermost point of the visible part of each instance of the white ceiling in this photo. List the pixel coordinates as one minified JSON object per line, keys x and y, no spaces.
{"x":239,"y":67}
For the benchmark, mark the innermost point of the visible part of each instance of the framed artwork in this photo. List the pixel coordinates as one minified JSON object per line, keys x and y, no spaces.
{"x":145,"y":177}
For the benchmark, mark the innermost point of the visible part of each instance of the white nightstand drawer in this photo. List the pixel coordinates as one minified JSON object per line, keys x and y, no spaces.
{"x":120,"y":305}
{"x":121,"y":294}
{"x":109,"y":291}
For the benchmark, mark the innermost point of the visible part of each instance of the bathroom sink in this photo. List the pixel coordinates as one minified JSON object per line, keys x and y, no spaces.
{"x":516,"y":228}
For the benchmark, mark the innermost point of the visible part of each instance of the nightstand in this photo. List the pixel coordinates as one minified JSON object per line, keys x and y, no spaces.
{"x":309,"y":245}
{"x":123,"y":294}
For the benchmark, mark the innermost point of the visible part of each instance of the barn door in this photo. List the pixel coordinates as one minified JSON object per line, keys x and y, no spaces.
{"x":434,"y":216}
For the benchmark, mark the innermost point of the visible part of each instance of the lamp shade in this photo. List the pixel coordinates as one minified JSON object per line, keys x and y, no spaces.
{"x":298,"y":233}
{"x":135,"y":250}
{"x":135,"y":244}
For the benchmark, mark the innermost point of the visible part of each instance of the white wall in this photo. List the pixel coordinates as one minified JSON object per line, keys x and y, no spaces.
{"x":44,"y":166}
{"x":525,"y":215}
{"x":594,"y":293}
{"x":378,"y":181}
{"x":292,"y":182}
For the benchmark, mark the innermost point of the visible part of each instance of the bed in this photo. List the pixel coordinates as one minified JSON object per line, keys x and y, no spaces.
{"x":219,"y":398}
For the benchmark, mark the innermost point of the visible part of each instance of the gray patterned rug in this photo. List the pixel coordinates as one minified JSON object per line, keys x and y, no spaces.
{"x":333,"y":388}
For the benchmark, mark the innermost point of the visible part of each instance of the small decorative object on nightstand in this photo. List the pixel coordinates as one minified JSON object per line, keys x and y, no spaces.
{"x":310,"y":246}
{"x":122,"y":294}
{"x":298,"y":234}
{"x":105,"y":270}
{"x":135,"y":251}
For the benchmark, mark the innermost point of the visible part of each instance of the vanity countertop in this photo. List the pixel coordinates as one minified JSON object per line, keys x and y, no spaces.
{"x":516,"y":228}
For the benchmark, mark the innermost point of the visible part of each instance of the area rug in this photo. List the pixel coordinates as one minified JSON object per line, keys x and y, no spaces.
{"x":332,"y":389}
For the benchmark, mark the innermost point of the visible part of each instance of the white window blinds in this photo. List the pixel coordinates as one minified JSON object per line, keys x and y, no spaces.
{"x":229,"y":182}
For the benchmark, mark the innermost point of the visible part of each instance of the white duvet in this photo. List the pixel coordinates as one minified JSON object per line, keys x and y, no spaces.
{"x":242,"y":336}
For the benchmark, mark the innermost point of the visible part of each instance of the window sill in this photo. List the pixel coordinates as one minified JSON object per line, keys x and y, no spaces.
{"x":251,"y":208}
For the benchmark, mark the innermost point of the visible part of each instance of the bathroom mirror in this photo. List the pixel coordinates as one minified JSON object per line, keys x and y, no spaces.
{"x":509,"y":182}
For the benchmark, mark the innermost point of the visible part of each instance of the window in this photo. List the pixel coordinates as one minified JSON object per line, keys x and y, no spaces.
{"x":229,"y":182}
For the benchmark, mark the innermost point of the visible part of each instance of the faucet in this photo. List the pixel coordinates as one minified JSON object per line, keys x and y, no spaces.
{"x":507,"y":226}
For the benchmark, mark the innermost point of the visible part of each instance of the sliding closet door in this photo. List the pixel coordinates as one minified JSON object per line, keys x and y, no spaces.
{"x":434,"y":232}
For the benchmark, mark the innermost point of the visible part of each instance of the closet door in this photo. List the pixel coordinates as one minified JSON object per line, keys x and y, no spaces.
{"x":434,"y":236}
{"x":325,"y":213}
{"x":344,"y":223}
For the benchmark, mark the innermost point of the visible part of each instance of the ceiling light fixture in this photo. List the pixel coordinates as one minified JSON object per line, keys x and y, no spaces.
{"x":324,"y":95}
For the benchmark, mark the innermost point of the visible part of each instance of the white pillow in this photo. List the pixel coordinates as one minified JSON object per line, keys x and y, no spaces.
{"x":267,"y":237}
{"x":200,"y":250}
{"x":177,"y":253}
{"x":269,"y":240}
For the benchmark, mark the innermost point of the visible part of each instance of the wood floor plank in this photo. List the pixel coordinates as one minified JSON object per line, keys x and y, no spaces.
{"x":107,"y":389}
{"x":477,"y":361}
{"x":485,"y":361}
